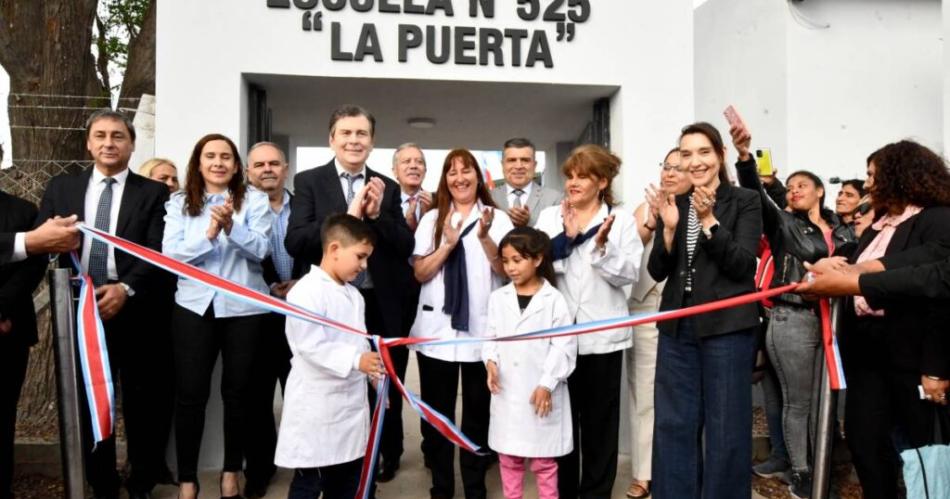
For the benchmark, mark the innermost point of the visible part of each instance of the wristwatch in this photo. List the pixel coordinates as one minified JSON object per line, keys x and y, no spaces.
{"x":711,"y":230}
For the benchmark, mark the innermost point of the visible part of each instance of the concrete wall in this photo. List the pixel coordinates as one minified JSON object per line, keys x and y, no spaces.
{"x":740,"y":60}
{"x":824,"y":83}
{"x":204,"y":47}
{"x":873,"y":77}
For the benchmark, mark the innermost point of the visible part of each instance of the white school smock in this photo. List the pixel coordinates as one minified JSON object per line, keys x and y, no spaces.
{"x":431,"y":321}
{"x":514,"y":428}
{"x":326,"y":417}
{"x":593,"y":283}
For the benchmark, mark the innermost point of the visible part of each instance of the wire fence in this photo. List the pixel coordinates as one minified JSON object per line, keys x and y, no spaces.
{"x":28,"y":179}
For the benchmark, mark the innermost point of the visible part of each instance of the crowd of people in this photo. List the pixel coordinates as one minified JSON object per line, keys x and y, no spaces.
{"x":468,"y":261}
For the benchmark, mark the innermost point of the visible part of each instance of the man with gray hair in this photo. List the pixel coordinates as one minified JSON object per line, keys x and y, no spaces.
{"x":267,"y":170}
{"x":521,"y":197}
{"x":409,"y":167}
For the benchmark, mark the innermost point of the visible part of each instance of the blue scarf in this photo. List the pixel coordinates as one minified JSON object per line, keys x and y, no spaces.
{"x":455,"y":280}
{"x":562,"y":246}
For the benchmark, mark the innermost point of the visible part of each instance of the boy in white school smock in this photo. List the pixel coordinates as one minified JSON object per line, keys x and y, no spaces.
{"x":325,"y":422}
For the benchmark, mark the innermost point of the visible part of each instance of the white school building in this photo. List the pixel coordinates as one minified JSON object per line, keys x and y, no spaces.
{"x":820,"y":82}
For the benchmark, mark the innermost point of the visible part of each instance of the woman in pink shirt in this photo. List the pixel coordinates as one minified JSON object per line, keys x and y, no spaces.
{"x":890,"y":347}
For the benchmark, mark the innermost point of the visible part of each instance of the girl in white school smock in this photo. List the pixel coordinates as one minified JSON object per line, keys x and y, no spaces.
{"x":596,"y":252}
{"x":456,"y":260}
{"x":530,"y":405}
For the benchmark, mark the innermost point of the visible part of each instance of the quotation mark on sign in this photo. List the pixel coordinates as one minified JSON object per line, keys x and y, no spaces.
{"x":565,"y":31}
{"x":313,"y":22}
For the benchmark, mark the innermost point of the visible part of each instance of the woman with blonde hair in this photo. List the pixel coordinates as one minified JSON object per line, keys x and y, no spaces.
{"x":161,"y":170}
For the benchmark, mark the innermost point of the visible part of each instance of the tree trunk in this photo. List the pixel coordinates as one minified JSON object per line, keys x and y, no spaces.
{"x":140,"y":67}
{"x":45,"y":48}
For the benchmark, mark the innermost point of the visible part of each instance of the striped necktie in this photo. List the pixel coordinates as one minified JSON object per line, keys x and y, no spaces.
{"x":518,"y":193}
{"x":98,"y":253}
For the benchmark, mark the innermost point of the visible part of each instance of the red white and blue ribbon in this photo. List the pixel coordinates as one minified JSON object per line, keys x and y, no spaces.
{"x":375,"y":434}
{"x":94,"y":360}
{"x":830,"y":343}
{"x":218,"y":283}
{"x":426,"y":412}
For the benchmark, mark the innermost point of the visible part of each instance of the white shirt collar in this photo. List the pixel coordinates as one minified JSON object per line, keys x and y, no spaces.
{"x":323,"y":276}
{"x":405,"y":196}
{"x":526,"y":189}
{"x":340,"y":170}
{"x":120,"y":177}
{"x":474,"y":214}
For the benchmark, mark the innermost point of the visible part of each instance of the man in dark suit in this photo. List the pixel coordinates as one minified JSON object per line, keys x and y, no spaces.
{"x":409,"y":168}
{"x":267,"y":171}
{"x":521,"y":197}
{"x":19,"y":276}
{"x":112,"y":198}
{"x":346,"y":184}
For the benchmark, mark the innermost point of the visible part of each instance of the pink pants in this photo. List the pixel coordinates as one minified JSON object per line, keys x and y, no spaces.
{"x":512,"y":476}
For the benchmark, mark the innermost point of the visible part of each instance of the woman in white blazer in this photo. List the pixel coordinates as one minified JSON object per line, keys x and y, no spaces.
{"x":530,"y":405}
{"x":455,"y":259}
{"x":597,"y":252}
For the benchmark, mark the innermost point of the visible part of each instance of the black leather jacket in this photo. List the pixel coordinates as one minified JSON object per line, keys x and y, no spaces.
{"x":792,"y":236}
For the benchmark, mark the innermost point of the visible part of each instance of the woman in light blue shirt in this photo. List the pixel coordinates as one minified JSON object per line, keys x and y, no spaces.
{"x":220,"y":225}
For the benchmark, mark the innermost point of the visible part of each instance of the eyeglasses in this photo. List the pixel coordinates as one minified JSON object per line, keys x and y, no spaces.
{"x":666,"y":167}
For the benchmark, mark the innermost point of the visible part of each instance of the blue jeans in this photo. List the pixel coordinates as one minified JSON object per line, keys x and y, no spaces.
{"x":703,"y":385}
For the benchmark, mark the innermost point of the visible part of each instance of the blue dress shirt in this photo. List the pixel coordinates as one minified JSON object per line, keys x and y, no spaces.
{"x":283,"y":262}
{"x":236,"y":257}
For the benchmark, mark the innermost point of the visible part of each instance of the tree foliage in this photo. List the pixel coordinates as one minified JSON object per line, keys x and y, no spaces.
{"x":120,"y":22}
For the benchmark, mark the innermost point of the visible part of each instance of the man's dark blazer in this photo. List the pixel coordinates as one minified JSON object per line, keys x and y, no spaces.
{"x":6,"y":246}
{"x":916,"y":338}
{"x":723,"y":266}
{"x":301,"y":266}
{"x":928,"y":280}
{"x":317,"y":195}
{"x":18,"y":280}
{"x":141,"y":220}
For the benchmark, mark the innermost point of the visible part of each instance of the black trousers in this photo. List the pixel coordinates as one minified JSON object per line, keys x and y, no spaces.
{"x":274,"y":367}
{"x":880,"y":400}
{"x":13,"y":361}
{"x":439,"y":383}
{"x":590,"y":469}
{"x":339,"y":481}
{"x":197,"y":341}
{"x":391,"y":441}
{"x":139,"y":359}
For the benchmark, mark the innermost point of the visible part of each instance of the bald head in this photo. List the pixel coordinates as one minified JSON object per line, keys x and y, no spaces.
{"x":267,"y":167}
